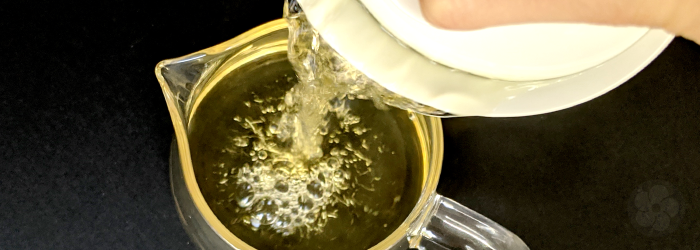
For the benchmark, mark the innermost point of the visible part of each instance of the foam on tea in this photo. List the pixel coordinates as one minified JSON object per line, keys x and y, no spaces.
{"x":306,"y":155}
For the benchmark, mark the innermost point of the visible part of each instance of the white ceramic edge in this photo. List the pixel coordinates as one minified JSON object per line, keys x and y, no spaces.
{"x":557,"y":94}
{"x":523,"y":52}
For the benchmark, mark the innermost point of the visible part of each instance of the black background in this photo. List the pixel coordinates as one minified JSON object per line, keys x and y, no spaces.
{"x":85,"y":134}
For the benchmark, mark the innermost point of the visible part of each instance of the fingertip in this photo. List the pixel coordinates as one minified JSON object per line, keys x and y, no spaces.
{"x":439,"y":13}
{"x":454,"y":14}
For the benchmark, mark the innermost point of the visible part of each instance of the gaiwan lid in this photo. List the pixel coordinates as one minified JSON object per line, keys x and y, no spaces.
{"x":390,"y":41}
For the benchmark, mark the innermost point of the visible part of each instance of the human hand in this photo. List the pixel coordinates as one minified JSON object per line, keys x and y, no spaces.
{"x":681,"y":17}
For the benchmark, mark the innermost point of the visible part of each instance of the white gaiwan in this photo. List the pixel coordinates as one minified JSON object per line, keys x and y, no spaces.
{"x":514,"y":70}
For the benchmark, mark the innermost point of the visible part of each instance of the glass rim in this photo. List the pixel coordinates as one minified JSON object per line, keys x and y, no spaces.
{"x":432,"y":132}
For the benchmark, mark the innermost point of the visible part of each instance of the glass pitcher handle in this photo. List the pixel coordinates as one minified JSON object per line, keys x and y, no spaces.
{"x":451,"y":225}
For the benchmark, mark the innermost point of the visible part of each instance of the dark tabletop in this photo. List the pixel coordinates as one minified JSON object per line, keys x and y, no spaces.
{"x":85,"y":134}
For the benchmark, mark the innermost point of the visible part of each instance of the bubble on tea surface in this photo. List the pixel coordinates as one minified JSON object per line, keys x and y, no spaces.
{"x":283,"y":221}
{"x":262,"y":154}
{"x":281,"y":187}
{"x":333,"y":162}
{"x":323,"y":131}
{"x":265,"y":211}
{"x":244,"y":195}
{"x":305,"y":204}
{"x":315,"y":189}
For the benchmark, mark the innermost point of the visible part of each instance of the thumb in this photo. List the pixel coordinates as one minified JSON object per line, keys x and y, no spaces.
{"x":678,"y":16}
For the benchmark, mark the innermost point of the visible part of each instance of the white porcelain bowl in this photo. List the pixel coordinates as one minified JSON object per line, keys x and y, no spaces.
{"x":580,"y":61}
